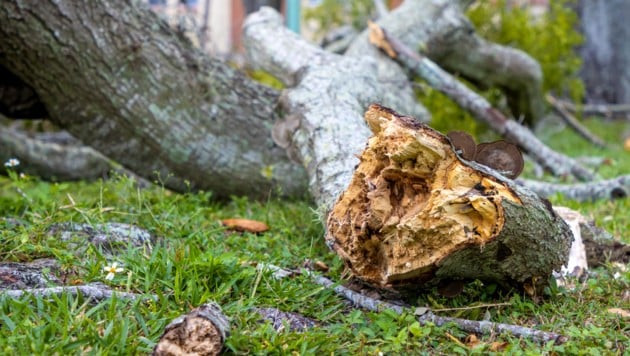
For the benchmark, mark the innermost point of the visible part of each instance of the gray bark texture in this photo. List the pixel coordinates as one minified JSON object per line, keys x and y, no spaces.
{"x":606,"y":50}
{"x":115,"y":76}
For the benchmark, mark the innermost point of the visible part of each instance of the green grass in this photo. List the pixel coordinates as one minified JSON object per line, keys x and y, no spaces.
{"x":197,"y":261}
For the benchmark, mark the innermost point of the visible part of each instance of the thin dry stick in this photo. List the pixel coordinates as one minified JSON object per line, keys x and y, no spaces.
{"x":573,"y":122}
{"x":474,"y":307}
{"x":615,"y":188}
{"x":606,"y":110}
{"x":95,"y":292}
{"x":471,"y":326}
{"x":481,"y":109}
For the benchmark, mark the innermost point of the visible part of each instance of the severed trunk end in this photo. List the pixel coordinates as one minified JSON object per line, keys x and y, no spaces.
{"x":416,"y":214}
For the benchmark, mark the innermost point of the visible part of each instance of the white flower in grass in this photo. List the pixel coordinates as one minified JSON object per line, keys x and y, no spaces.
{"x":12,"y":162}
{"x":112,"y":270}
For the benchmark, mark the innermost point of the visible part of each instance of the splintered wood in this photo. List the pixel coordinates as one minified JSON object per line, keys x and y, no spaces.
{"x":416,"y":213}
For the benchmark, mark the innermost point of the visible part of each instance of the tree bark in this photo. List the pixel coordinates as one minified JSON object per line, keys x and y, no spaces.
{"x":606,"y":50}
{"x":115,"y":76}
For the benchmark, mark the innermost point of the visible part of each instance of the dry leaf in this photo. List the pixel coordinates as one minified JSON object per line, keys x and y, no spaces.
{"x":320,"y":266}
{"x":471,"y":340}
{"x":245,"y":225}
{"x":621,"y":312}
{"x":498,"y":346}
{"x":626,"y":144}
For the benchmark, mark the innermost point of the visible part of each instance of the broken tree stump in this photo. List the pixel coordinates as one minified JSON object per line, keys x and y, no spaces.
{"x":416,"y":214}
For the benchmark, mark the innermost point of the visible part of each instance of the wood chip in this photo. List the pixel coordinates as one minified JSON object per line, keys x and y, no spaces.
{"x":621,"y":312}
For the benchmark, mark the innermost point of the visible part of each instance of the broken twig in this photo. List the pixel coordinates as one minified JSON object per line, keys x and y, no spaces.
{"x":96,"y":292}
{"x":606,"y":110}
{"x":200,"y":332}
{"x":573,"y":122}
{"x":615,"y":188}
{"x":471,"y":326}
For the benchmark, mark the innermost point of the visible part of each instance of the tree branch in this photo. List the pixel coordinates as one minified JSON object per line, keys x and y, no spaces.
{"x":555,"y":162}
{"x":615,"y":188}
{"x":574,"y":123}
{"x":96,"y":292}
{"x":51,"y":160}
{"x":471,"y":326}
{"x":117,"y":77}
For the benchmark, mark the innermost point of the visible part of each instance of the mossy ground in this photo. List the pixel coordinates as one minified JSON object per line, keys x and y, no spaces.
{"x":198,"y":261}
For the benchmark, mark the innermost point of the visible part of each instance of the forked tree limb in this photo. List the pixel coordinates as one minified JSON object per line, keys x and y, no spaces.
{"x":481,"y":109}
{"x":573,"y":122}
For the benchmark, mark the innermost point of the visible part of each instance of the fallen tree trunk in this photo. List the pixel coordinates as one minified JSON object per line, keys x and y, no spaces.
{"x":416,"y":214}
{"x":138,"y":93}
{"x":114,"y":75}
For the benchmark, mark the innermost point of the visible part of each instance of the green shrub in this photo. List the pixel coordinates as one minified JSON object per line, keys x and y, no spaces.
{"x":551,"y":39}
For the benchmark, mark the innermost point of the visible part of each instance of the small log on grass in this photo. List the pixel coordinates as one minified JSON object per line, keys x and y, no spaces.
{"x":416,"y":214}
{"x":200,"y":332}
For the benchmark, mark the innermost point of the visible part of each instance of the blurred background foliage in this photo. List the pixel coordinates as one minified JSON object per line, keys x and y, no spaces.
{"x":551,"y":37}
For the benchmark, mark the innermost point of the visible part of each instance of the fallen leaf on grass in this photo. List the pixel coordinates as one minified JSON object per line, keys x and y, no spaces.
{"x":471,"y":340}
{"x":498,"y":346}
{"x":245,"y":225}
{"x":621,"y":312}
{"x":420,"y":311}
